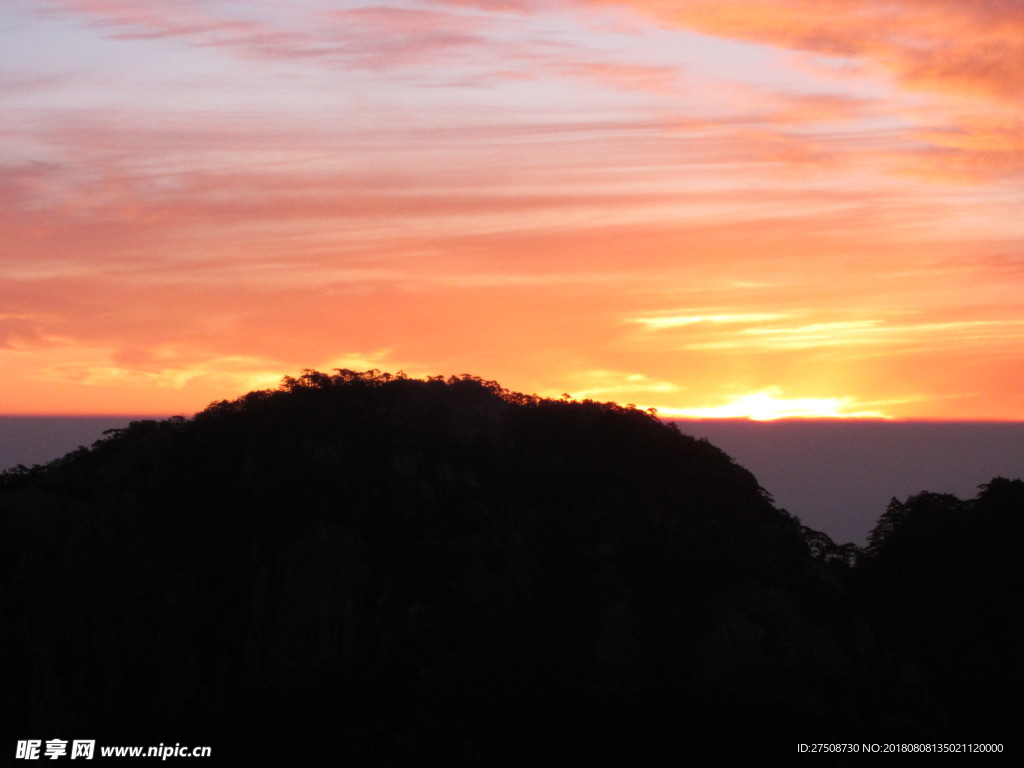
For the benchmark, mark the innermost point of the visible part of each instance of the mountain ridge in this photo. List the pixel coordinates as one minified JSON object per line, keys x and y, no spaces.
{"x":434,"y":570}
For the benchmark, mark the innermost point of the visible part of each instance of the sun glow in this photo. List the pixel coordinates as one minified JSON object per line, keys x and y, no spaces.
{"x":768,"y":406}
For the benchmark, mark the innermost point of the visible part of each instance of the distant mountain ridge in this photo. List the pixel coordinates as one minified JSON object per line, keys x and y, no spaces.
{"x":397,"y":572}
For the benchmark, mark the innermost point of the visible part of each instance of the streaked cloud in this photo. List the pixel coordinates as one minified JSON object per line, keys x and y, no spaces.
{"x":604,"y":385}
{"x":660,"y":322}
{"x":874,"y":334}
{"x":967,"y":54}
{"x":940,"y":44}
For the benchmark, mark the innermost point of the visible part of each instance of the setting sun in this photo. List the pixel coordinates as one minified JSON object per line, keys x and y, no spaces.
{"x":767,"y":406}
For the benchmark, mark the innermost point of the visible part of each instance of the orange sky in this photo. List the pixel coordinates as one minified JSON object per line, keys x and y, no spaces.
{"x":712,"y":207}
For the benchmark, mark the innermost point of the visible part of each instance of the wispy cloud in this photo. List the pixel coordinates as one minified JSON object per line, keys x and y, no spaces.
{"x":660,"y":322}
{"x":612,"y":385}
{"x":939,"y":44}
{"x":969,"y":54}
{"x":873,"y":334}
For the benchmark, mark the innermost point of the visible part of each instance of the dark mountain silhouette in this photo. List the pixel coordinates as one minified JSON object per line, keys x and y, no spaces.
{"x":947,"y":576}
{"x":376,"y":570}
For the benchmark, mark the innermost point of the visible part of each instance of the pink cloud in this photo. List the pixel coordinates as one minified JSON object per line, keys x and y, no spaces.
{"x":520,"y":6}
{"x":12,"y":83}
{"x":169,"y":18}
{"x":373,"y":37}
{"x":632,"y":77}
{"x":968,"y":56}
{"x":978,"y":146}
{"x":946,"y":45}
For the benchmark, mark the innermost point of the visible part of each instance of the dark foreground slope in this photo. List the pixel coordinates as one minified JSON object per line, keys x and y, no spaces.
{"x":393,"y":572}
{"x":946,"y":577}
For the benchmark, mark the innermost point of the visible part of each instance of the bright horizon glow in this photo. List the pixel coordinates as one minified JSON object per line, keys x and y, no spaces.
{"x":792,"y":209}
{"x":768,"y":406}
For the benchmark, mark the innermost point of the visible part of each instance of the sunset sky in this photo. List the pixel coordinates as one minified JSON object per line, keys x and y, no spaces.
{"x":711,"y":207}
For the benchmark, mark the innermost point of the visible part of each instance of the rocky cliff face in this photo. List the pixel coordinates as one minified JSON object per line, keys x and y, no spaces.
{"x":398,"y":571}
